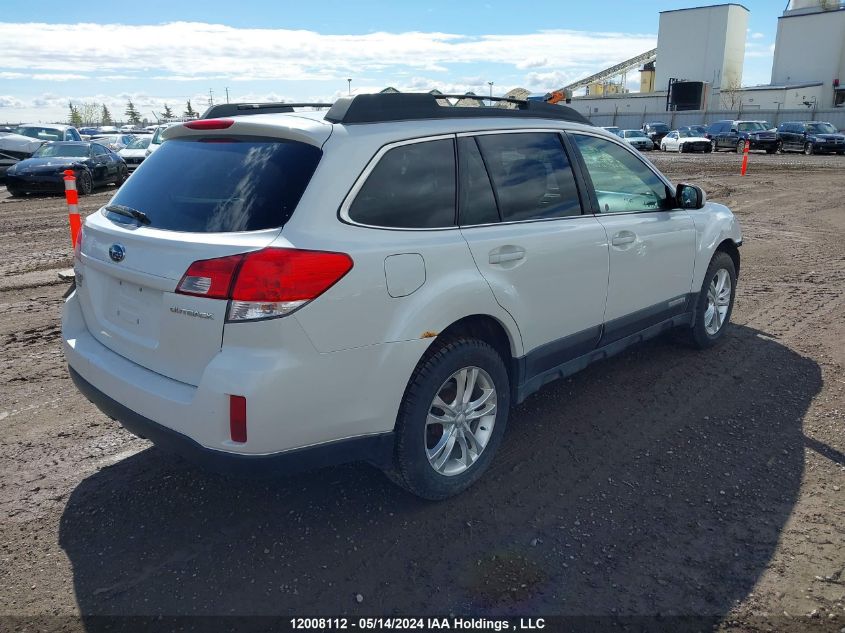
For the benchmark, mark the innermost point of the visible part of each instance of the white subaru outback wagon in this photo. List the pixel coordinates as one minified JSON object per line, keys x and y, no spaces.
{"x":381,"y":280}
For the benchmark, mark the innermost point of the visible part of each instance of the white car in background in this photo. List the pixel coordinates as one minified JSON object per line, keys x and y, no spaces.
{"x":135,"y":153}
{"x":638,"y":139}
{"x":685,"y":140}
{"x":155,"y":142}
{"x":115,"y":142}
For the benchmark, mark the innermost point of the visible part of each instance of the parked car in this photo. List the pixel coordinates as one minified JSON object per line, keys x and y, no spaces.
{"x":475,"y":258}
{"x":107,"y":129}
{"x":638,"y":139}
{"x":696,"y":130}
{"x":48,"y":132}
{"x":126,"y":129}
{"x":135,"y":153}
{"x":114,"y":142}
{"x":733,"y":134}
{"x":656,"y":130}
{"x":92,"y":164}
{"x":684,"y":140}
{"x":157,"y":139}
{"x":613,"y":130}
{"x":89,"y":131}
{"x":810,"y":137}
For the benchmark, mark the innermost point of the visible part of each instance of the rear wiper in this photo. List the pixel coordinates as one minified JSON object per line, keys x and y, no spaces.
{"x":129,"y":212}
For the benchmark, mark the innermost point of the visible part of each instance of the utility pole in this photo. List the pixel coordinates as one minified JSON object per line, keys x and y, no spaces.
{"x":490,"y":83}
{"x":227,"y":94}
{"x":210,"y":97}
{"x":349,"y":87}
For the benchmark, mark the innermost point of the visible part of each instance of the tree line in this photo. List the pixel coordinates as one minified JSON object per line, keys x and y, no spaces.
{"x":91,"y":114}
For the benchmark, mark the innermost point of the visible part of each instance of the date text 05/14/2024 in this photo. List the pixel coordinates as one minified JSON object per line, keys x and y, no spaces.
{"x":411,"y":624}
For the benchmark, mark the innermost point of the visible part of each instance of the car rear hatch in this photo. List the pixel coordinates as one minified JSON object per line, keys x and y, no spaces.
{"x":205,"y":194}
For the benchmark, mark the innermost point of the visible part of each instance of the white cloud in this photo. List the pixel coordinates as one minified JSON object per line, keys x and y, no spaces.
{"x":193,"y":50}
{"x":757,"y":36}
{"x":57,"y":77}
{"x":7,"y":101}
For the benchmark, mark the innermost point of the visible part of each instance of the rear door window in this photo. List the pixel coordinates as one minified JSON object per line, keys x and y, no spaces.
{"x":220,"y":185}
{"x":477,"y":204}
{"x":412,"y":186}
{"x":531,"y":174}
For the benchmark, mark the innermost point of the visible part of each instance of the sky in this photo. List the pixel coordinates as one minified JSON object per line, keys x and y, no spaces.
{"x":165,"y":53}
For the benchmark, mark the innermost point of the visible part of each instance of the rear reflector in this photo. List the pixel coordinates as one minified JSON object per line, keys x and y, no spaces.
{"x":237,"y":418}
{"x":209,"y":124}
{"x":268,"y":283}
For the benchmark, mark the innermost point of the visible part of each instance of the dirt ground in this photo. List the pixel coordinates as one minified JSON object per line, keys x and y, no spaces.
{"x":662,"y":482}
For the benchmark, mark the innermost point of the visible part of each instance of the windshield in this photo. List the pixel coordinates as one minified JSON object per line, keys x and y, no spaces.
{"x":634,"y":133}
{"x":61,"y":149}
{"x":659,"y":127}
{"x":684,"y":134}
{"x":751,"y":126}
{"x":220,"y":186}
{"x":139,"y":143}
{"x":43,"y":133}
{"x":821,"y":128}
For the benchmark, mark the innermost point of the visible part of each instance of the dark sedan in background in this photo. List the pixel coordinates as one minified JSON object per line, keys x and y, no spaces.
{"x":92,"y":163}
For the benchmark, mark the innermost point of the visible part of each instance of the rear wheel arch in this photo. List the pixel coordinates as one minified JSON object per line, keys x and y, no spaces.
{"x":485,"y":328}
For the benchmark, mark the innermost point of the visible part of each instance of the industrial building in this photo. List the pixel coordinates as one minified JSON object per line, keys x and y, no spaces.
{"x":698,"y":62}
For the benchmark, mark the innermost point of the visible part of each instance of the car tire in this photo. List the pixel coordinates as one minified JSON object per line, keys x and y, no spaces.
{"x":705,"y":331}
{"x":662,"y":147}
{"x":15,"y":192}
{"x":713,"y":146}
{"x":122,"y":175}
{"x":740,"y":147}
{"x":84,"y":183}
{"x":420,"y":445}
{"x":809,"y":149}
{"x":708,"y":149}
{"x":840,"y":153}
{"x":779,"y":148}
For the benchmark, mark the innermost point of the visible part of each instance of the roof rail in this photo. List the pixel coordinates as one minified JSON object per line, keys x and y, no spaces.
{"x":241,"y":109}
{"x":404,"y":106}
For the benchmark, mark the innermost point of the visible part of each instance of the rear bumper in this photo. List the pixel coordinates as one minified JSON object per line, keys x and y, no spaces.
{"x":377,"y":448}
{"x":297,"y":398}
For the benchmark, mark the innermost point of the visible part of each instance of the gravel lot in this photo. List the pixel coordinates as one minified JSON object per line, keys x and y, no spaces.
{"x":664,"y":481}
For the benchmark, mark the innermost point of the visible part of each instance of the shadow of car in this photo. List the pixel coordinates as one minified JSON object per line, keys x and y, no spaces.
{"x":658,"y":482}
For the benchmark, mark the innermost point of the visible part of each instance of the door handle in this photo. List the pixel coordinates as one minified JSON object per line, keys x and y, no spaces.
{"x":623,"y":237}
{"x":506,"y":254}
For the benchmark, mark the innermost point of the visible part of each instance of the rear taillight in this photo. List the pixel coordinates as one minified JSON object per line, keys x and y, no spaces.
{"x":268,"y":283}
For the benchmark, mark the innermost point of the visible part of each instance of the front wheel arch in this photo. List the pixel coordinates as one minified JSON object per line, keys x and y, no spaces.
{"x":729,"y":246}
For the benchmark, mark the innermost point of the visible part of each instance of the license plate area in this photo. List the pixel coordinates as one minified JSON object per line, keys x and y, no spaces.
{"x":134,"y":312}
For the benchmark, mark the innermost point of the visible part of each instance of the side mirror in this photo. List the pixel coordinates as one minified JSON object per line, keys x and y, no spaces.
{"x":690,"y":196}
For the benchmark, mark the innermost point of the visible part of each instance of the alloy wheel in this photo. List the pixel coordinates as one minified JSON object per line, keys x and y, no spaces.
{"x":460,"y":421}
{"x":718,"y":302}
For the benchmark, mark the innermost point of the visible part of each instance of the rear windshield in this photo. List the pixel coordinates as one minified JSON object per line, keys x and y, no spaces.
{"x":220,"y":185}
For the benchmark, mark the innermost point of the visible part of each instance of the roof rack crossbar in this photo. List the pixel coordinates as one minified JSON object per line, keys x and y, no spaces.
{"x":242,"y":109}
{"x":404,"y":106}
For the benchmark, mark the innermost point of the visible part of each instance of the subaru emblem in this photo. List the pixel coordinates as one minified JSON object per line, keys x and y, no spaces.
{"x":117,"y":252}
